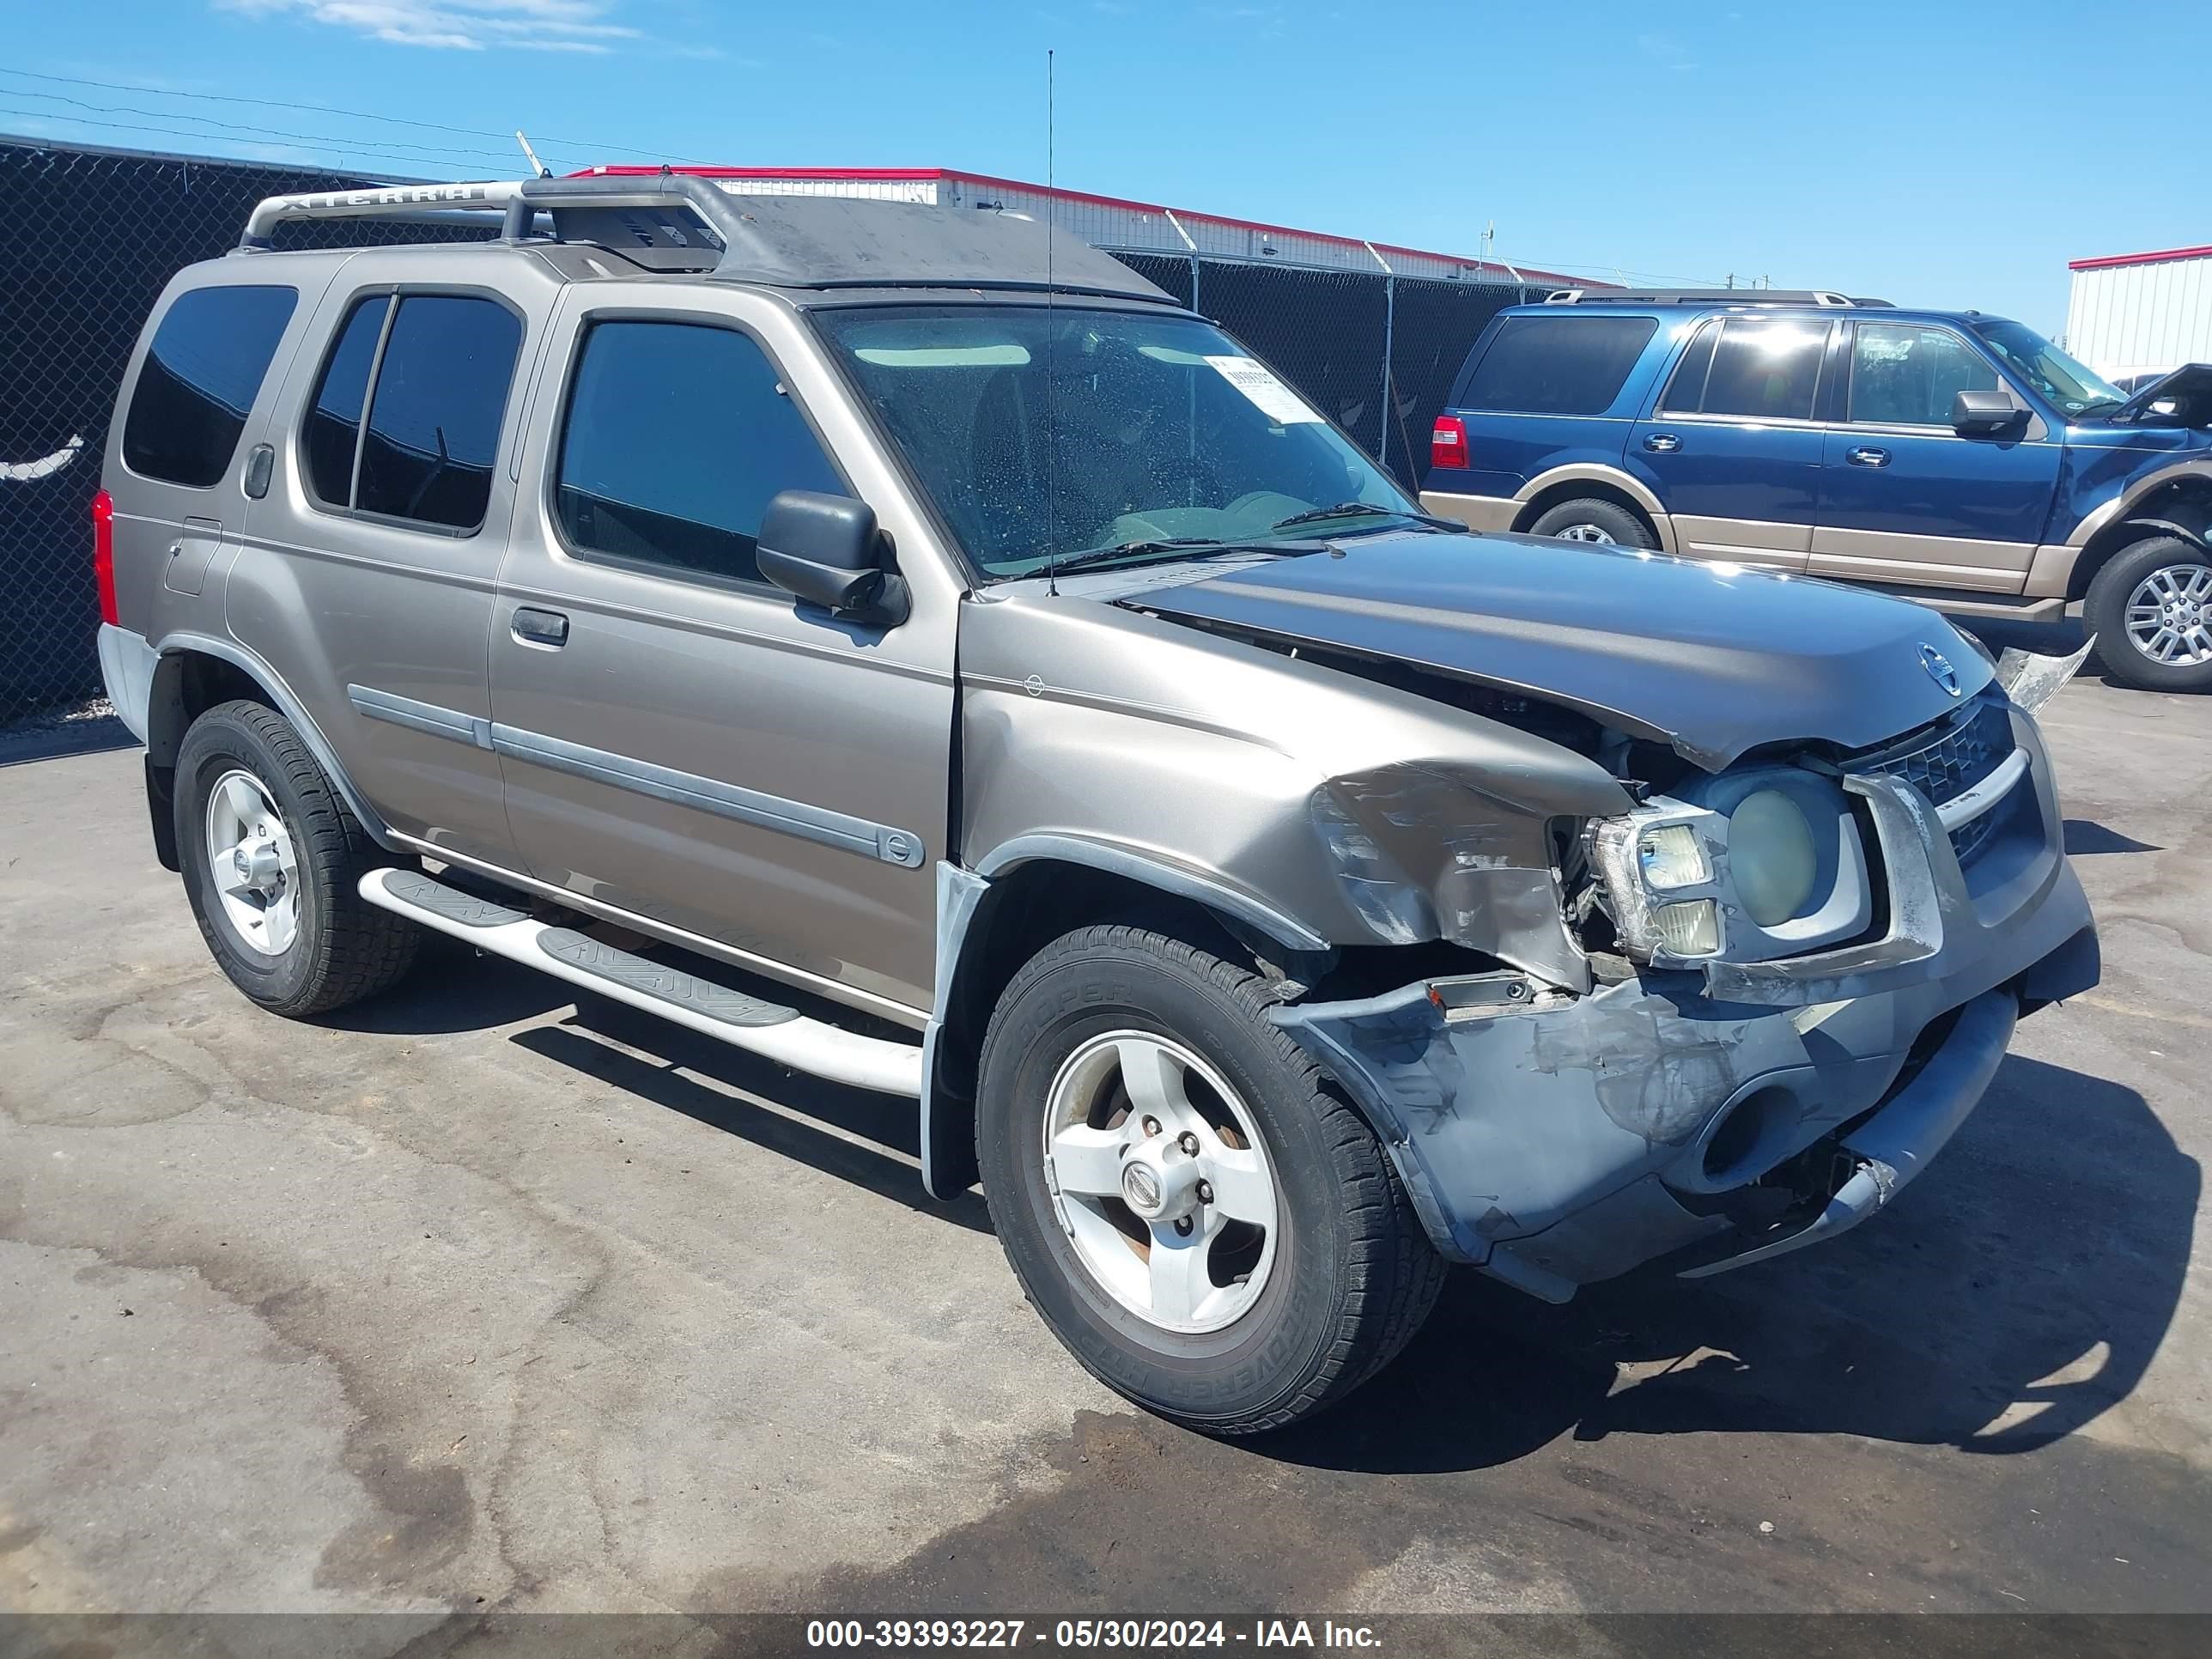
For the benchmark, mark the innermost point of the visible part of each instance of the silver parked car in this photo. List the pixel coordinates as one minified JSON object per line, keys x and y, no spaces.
{"x":1272,"y":893}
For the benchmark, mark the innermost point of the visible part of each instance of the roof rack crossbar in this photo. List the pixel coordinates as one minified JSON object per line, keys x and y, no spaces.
{"x":1825,"y":298}
{"x":389,"y":201}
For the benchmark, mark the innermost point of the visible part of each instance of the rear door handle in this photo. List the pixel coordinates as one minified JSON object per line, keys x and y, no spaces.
{"x":1662,"y":443}
{"x":533,"y":626}
{"x":1862,"y":456}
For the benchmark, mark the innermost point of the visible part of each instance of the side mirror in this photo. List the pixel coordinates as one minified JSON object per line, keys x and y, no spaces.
{"x":1976,"y":413}
{"x":827,"y":550}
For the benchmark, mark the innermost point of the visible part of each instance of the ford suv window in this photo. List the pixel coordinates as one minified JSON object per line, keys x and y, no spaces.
{"x":202,"y":374}
{"x":434,"y":415}
{"x":1907,"y":376}
{"x":677,"y":435}
{"x":1148,"y":432}
{"x":2075,"y":389}
{"x":1558,"y":365}
{"x":1764,"y":370}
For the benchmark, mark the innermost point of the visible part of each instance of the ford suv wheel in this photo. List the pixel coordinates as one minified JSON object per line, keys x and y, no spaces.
{"x":272,"y":859}
{"x":1205,"y":1224}
{"x":1593,"y":520}
{"x":2151,"y":610}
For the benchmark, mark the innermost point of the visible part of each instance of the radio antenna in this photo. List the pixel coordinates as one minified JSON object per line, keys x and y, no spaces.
{"x":1051,"y":339}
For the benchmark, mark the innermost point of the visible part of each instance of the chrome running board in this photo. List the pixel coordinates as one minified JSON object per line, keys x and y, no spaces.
{"x":766,"y":1029}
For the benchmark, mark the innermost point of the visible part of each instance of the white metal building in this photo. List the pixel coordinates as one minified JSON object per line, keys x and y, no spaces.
{"x":1112,"y":221}
{"x":2135,"y":314}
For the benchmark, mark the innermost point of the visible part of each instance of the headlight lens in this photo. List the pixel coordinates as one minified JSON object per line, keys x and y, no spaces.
{"x":1672,"y":856}
{"x":1771,"y":856}
{"x":1688,"y":930}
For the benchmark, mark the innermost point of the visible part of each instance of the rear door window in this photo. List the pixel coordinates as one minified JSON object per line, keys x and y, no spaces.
{"x":1765,"y":369}
{"x":677,"y":435}
{"x":1903,"y":376}
{"x":333,"y":432}
{"x":201,"y":376}
{"x":1558,"y":365}
{"x":435,"y":415}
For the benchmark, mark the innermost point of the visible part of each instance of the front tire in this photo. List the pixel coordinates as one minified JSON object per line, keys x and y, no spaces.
{"x":271,"y":862}
{"x":2151,"y":608}
{"x":1263,"y":1261}
{"x":1593,"y":519}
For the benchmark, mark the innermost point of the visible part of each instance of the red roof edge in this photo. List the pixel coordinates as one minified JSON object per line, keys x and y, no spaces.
{"x":2106,"y":262}
{"x":901,"y":175}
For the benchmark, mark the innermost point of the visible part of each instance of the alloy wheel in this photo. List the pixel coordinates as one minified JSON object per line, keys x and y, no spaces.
{"x":251,"y":858}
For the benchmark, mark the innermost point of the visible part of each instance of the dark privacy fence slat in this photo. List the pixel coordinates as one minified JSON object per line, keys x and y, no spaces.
{"x":89,"y":237}
{"x":88,"y":240}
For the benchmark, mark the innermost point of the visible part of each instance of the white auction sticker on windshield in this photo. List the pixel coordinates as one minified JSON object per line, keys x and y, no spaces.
{"x":1258,"y":382}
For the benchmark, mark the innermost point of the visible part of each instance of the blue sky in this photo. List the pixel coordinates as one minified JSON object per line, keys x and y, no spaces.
{"x":1938,"y":154}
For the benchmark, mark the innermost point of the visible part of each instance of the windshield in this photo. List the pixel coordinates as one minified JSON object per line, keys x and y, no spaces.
{"x":2075,"y":389}
{"x":1051,"y":432}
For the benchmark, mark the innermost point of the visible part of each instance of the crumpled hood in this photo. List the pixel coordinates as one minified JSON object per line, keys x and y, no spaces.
{"x":1711,"y":658}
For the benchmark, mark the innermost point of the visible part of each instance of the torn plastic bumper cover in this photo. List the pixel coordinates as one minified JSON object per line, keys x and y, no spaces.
{"x":1555,"y":1141}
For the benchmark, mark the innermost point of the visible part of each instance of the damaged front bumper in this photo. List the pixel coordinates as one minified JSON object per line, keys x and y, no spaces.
{"x":1555,"y":1141}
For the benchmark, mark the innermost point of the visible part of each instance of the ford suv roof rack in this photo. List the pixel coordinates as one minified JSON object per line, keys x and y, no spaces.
{"x":1688,"y":297}
{"x":677,"y":222}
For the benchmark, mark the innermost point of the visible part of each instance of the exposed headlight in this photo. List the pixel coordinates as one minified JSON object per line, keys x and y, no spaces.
{"x":1688,"y":930}
{"x":1772,"y":856}
{"x":1672,"y":856}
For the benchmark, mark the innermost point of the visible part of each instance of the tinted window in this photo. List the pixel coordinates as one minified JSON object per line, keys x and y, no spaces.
{"x":334,"y":420}
{"x":1909,"y":375}
{"x":202,"y":374}
{"x":1686,"y":390}
{"x":1558,"y":365}
{"x":434,"y":419}
{"x":677,"y":435}
{"x":1765,"y":370}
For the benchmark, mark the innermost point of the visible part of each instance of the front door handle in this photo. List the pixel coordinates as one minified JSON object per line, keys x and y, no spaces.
{"x":1662,"y":443}
{"x":1862,"y":456}
{"x":533,"y":626}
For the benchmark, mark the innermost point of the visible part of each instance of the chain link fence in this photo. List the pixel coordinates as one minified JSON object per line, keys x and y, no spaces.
{"x":89,"y":237}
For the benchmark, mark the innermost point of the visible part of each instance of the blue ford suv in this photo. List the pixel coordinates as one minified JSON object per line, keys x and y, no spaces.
{"x":1956,"y":459}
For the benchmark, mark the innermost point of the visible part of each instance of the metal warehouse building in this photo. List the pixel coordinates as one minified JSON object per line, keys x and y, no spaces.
{"x":2137,"y":313}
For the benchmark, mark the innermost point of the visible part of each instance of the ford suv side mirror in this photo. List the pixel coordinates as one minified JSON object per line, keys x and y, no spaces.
{"x":826,"y":550}
{"x":1981,"y":412}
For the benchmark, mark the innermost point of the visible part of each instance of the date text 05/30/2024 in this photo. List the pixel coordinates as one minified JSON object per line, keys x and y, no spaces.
{"x":1106,"y":1633}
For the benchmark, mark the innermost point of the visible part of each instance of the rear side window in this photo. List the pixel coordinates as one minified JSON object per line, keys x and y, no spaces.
{"x":1558,"y":365}
{"x":202,"y":374}
{"x":1764,"y":370}
{"x":677,"y":435}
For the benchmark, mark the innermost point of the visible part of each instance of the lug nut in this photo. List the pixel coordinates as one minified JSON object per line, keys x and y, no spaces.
{"x":1152,"y":1126}
{"x":1182,"y":1227}
{"x":1188,"y":1142}
{"x":1206,"y":1191}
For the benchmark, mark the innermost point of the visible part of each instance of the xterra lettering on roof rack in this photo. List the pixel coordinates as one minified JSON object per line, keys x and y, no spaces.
{"x":678,"y":223}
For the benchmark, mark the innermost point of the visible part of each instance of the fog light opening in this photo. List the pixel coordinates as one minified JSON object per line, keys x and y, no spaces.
{"x":1734,"y":1149}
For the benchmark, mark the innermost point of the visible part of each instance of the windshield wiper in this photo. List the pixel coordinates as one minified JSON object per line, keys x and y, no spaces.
{"x":1368,"y":510}
{"x":1090,"y":558}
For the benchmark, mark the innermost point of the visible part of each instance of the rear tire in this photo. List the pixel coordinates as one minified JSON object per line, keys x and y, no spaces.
{"x":2151,"y":608}
{"x":1287,"y":1317}
{"x":1594,"y":519}
{"x":300,"y":939}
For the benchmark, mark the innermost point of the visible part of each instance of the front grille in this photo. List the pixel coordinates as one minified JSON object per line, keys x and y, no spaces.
{"x":1950,"y":761}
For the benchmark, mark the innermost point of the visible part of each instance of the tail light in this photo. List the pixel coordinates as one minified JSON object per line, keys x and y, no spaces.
{"x":1447,"y":442}
{"x":103,"y":554}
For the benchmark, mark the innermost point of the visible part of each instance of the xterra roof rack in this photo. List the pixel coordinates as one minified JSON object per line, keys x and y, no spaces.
{"x":677,"y":223}
{"x":1700,"y":296}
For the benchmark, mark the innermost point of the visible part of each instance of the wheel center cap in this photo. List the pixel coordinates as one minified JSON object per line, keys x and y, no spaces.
{"x":1157,"y":1187}
{"x":256,"y":863}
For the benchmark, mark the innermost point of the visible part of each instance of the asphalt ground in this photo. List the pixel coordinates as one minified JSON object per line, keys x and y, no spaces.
{"x":478,"y":1299}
